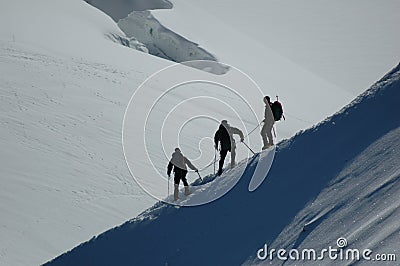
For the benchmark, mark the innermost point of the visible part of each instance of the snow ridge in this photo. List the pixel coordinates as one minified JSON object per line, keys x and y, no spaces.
{"x":360,"y":143}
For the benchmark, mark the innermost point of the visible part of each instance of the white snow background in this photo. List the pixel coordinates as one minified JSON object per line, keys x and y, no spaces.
{"x":67,"y":76}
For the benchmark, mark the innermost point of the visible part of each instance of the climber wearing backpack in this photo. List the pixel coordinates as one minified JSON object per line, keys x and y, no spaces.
{"x":179,"y":162}
{"x":273,"y":112}
{"x":224,"y":135}
{"x":266,"y":131}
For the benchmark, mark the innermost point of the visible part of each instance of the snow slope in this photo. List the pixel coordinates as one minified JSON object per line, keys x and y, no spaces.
{"x":63,"y":174}
{"x":66,"y":79}
{"x":347,"y":44}
{"x":72,"y":29}
{"x":64,"y":86}
{"x":318,"y":53}
{"x":337,"y":179}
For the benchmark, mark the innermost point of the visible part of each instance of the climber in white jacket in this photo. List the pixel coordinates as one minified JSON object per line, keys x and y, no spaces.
{"x":179,"y":162}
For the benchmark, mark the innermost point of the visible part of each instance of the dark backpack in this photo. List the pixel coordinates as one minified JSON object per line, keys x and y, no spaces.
{"x":277,"y":110}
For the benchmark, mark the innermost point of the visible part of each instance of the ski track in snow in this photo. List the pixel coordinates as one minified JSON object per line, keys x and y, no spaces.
{"x":64,"y":117}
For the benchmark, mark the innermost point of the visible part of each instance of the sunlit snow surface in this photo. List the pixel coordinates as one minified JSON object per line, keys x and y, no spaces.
{"x":65,"y":84}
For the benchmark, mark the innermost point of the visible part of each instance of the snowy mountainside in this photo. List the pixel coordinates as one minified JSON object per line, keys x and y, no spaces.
{"x":346,"y":44}
{"x":360,"y":204}
{"x":64,"y":87}
{"x":71,"y":28}
{"x":63,"y":177}
{"x":348,"y":172}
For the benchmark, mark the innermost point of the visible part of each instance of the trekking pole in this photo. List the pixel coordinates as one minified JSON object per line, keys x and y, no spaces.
{"x":201,"y":179}
{"x":248,"y":147}
{"x":215,"y":158}
{"x":254,"y":129}
{"x":168,"y":185}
